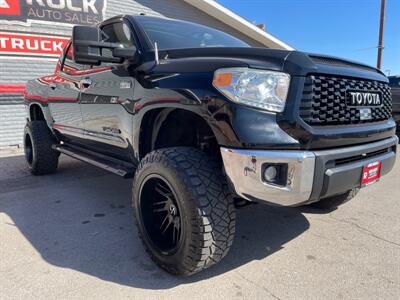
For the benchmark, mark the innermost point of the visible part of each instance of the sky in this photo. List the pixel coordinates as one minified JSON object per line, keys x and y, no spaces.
{"x":343,"y":28}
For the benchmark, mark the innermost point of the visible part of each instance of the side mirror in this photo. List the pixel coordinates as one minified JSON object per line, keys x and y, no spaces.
{"x":129,"y":53}
{"x":82,"y":38}
{"x":88,"y":48}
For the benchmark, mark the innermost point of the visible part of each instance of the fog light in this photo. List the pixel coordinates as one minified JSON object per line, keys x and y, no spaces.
{"x":275,"y":174}
{"x":270,"y":173}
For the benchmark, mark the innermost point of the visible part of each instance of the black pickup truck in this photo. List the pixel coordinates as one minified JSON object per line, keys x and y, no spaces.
{"x":202,"y":121}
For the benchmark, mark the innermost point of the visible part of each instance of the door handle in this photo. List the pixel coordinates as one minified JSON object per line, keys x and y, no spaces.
{"x":53,"y":86}
{"x":86,"y":83}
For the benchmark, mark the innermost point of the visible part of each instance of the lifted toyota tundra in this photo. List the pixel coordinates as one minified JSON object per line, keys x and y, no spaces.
{"x":202,"y":121}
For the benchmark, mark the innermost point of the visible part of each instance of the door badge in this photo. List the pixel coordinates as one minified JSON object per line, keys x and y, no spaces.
{"x":125,"y":85}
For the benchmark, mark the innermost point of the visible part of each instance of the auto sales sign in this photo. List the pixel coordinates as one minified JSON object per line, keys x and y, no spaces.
{"x":70,"y":12}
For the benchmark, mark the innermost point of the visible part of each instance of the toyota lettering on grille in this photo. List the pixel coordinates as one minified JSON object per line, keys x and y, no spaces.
{"x":363,"y":98}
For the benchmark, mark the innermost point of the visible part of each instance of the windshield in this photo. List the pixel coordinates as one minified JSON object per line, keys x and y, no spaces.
{"x":173,"y":34}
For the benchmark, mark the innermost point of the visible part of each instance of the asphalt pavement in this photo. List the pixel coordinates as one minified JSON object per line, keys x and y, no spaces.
{"x":70,"y":236}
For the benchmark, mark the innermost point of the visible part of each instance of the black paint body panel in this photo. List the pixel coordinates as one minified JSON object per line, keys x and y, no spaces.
{"x":183,"y":80}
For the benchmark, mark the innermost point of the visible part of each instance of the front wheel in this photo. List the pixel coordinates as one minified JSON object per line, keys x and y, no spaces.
{"x":183,"y":209}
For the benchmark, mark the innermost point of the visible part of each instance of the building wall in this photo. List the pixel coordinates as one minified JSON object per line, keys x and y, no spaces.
{"x":19,"y":69}
{"x":12,"y":119}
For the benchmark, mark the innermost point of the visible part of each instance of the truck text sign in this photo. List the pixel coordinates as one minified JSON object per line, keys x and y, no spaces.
{"x":18,"y":44}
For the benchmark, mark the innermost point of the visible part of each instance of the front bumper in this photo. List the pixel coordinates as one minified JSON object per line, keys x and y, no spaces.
{"x":311,"y":175}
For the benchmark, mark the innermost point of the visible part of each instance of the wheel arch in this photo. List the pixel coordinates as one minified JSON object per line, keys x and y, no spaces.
{"x":36,"y":112}
{"x":172,"y":127}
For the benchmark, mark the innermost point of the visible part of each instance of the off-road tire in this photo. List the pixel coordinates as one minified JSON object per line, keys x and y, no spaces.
{"x":335,"y":201}
{"x":208,"y":212}
{"x":38,"y":139}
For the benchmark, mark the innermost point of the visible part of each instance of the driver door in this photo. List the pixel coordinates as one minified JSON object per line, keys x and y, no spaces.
{"x":106,"y":96}
{"x":63,"y":98}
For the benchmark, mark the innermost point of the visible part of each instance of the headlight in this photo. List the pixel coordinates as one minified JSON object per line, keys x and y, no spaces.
{"x":258,"y":88}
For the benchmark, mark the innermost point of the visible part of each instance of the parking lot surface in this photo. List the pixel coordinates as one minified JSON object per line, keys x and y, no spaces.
{"x":71,"y":236}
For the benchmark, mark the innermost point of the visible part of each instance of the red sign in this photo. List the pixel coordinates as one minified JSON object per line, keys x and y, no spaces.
{"x":371,"y":173}
{"x":56,"y":11}
{"x":10,"y":7}
{"x":31,"y":44}
{"x":12,"y":88}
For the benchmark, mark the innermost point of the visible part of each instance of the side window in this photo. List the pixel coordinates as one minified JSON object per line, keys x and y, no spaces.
{"x":119,"y":33}
{"x":69,"y":66}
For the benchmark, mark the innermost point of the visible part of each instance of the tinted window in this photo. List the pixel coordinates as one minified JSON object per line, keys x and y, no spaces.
{"x":173,"y":34}
{"x":69,"y":66}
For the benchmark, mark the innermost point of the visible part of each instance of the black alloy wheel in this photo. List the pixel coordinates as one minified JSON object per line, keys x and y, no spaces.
{"x":161,"y":214}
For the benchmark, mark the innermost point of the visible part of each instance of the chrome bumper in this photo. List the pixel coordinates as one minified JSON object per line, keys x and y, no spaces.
{"x":310,"y":173}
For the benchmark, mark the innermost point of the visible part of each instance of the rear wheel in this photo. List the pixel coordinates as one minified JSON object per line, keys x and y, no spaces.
{"x":335,"y":201}
{"x":183,"y":210}
{"x":39,"y":155}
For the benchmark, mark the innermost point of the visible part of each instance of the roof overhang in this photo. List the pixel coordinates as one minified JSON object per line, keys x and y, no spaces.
{"x":235,"y":21}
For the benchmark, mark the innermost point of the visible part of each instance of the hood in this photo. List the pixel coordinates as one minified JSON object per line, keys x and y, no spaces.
{"x":211,"y":59}
{"x":296,"y":63}
{"x":302,"y":64}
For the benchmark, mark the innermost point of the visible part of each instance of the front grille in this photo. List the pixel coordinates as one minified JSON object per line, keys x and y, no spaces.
{"x":324,"y":101}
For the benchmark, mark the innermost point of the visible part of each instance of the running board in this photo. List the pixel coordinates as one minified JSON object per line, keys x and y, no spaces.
{"x":110,"y":164}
